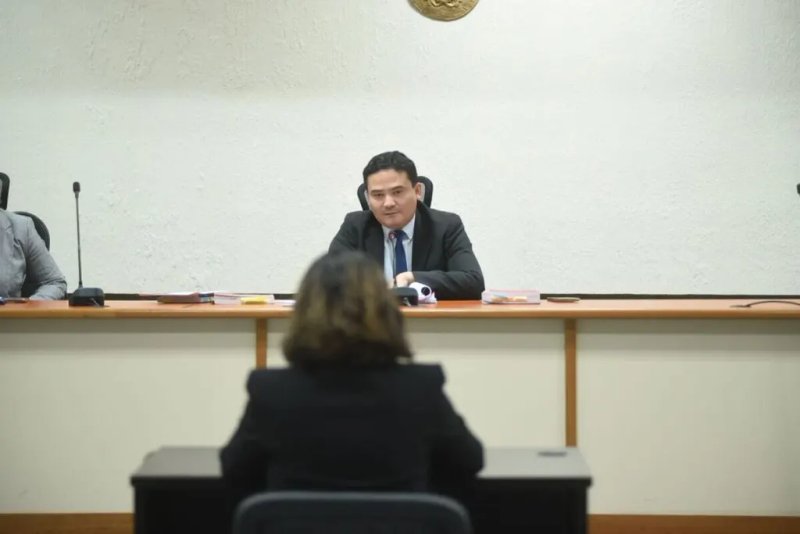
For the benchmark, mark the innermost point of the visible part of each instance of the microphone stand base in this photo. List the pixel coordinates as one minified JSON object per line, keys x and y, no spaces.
{"x":87,"y":296}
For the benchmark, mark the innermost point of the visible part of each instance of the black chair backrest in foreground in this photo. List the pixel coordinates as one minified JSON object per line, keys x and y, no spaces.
{"x":350,"y":513}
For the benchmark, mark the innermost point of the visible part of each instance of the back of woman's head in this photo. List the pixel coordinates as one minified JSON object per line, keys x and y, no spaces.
{"x":345,"y":315}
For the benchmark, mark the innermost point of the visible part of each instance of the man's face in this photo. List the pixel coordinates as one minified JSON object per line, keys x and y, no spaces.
{"x":392,"y":198}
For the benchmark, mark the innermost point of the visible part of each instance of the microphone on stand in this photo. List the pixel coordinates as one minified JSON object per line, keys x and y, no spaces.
{"x":83,"y":296}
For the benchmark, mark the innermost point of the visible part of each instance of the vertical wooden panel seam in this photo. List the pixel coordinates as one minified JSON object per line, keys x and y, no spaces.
{"x":261,"y":343}
{"x":571,"y":379}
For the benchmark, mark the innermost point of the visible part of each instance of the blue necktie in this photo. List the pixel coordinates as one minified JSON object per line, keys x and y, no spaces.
{"x":400,"y":265}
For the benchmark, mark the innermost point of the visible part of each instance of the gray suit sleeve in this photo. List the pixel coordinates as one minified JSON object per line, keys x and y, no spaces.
{"x":463,"y":278}
{"x":42,"y":271}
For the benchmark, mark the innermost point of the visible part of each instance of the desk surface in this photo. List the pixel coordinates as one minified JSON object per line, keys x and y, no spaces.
{"x":611,"y":309}
{"x":501,"y":463}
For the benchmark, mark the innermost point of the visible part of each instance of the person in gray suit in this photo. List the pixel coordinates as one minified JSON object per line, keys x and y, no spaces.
{"x":412,"y":242}
{"x":25,"y":260}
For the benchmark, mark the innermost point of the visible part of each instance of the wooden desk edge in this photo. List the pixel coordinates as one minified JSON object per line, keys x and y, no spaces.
{"x":588,"y":309}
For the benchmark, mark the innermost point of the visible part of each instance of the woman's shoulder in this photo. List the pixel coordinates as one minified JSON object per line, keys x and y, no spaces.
{"x":262,"y":376}
{"x":424,"y":371}
{"x":430,"y":374}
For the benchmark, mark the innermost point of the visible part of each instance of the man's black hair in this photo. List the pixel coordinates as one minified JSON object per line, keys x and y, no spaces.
{"x":391,"y":160}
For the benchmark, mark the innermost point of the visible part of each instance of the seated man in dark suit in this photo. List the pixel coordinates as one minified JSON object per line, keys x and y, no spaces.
{"x":413,"y":243}
{"x":351,"y":412}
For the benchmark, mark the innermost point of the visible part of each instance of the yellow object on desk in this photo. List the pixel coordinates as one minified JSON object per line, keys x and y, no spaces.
{"x":261,"y":299}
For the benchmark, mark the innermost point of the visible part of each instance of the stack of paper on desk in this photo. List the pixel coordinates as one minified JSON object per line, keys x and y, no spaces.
{"x":225,"y":298}
{"x":510,"y":296}
{"x":186,"y":297}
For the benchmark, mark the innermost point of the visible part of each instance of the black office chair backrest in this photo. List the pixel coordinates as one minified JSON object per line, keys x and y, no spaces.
{"x":350,"y":513}
{"x":5,"y":183}
{"x":41,"y":228}
{"x":427,"y":192}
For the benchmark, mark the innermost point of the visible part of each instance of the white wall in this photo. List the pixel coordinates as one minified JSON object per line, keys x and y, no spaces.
{"x":602,"y":146}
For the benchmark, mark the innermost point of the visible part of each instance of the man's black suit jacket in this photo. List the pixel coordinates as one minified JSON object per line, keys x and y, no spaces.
{"x":385,"y":428}
{"x":441,"y":256}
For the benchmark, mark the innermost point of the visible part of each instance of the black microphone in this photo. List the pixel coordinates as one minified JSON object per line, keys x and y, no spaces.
{"x":76,"y":188}
{"x":406,"y":295}
{"x":83,"y":296}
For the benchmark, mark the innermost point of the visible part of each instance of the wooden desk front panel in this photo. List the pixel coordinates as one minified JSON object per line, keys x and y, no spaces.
{"x":82,"y":400}
{"x":691,"y":417}
{"x":75,"y":386}
{"x":88,"y":397}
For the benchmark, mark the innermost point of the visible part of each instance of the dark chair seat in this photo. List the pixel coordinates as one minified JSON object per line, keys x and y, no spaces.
{"x":350,"y":513}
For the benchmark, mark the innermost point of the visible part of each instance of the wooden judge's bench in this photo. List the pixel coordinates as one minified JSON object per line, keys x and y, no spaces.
{"x":685,"y":410}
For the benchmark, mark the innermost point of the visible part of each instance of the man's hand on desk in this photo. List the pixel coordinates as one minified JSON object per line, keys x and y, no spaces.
{"x":404,"y":279}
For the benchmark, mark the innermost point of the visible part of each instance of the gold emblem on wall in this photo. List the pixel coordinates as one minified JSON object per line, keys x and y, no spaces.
{"x":444,"y":9}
